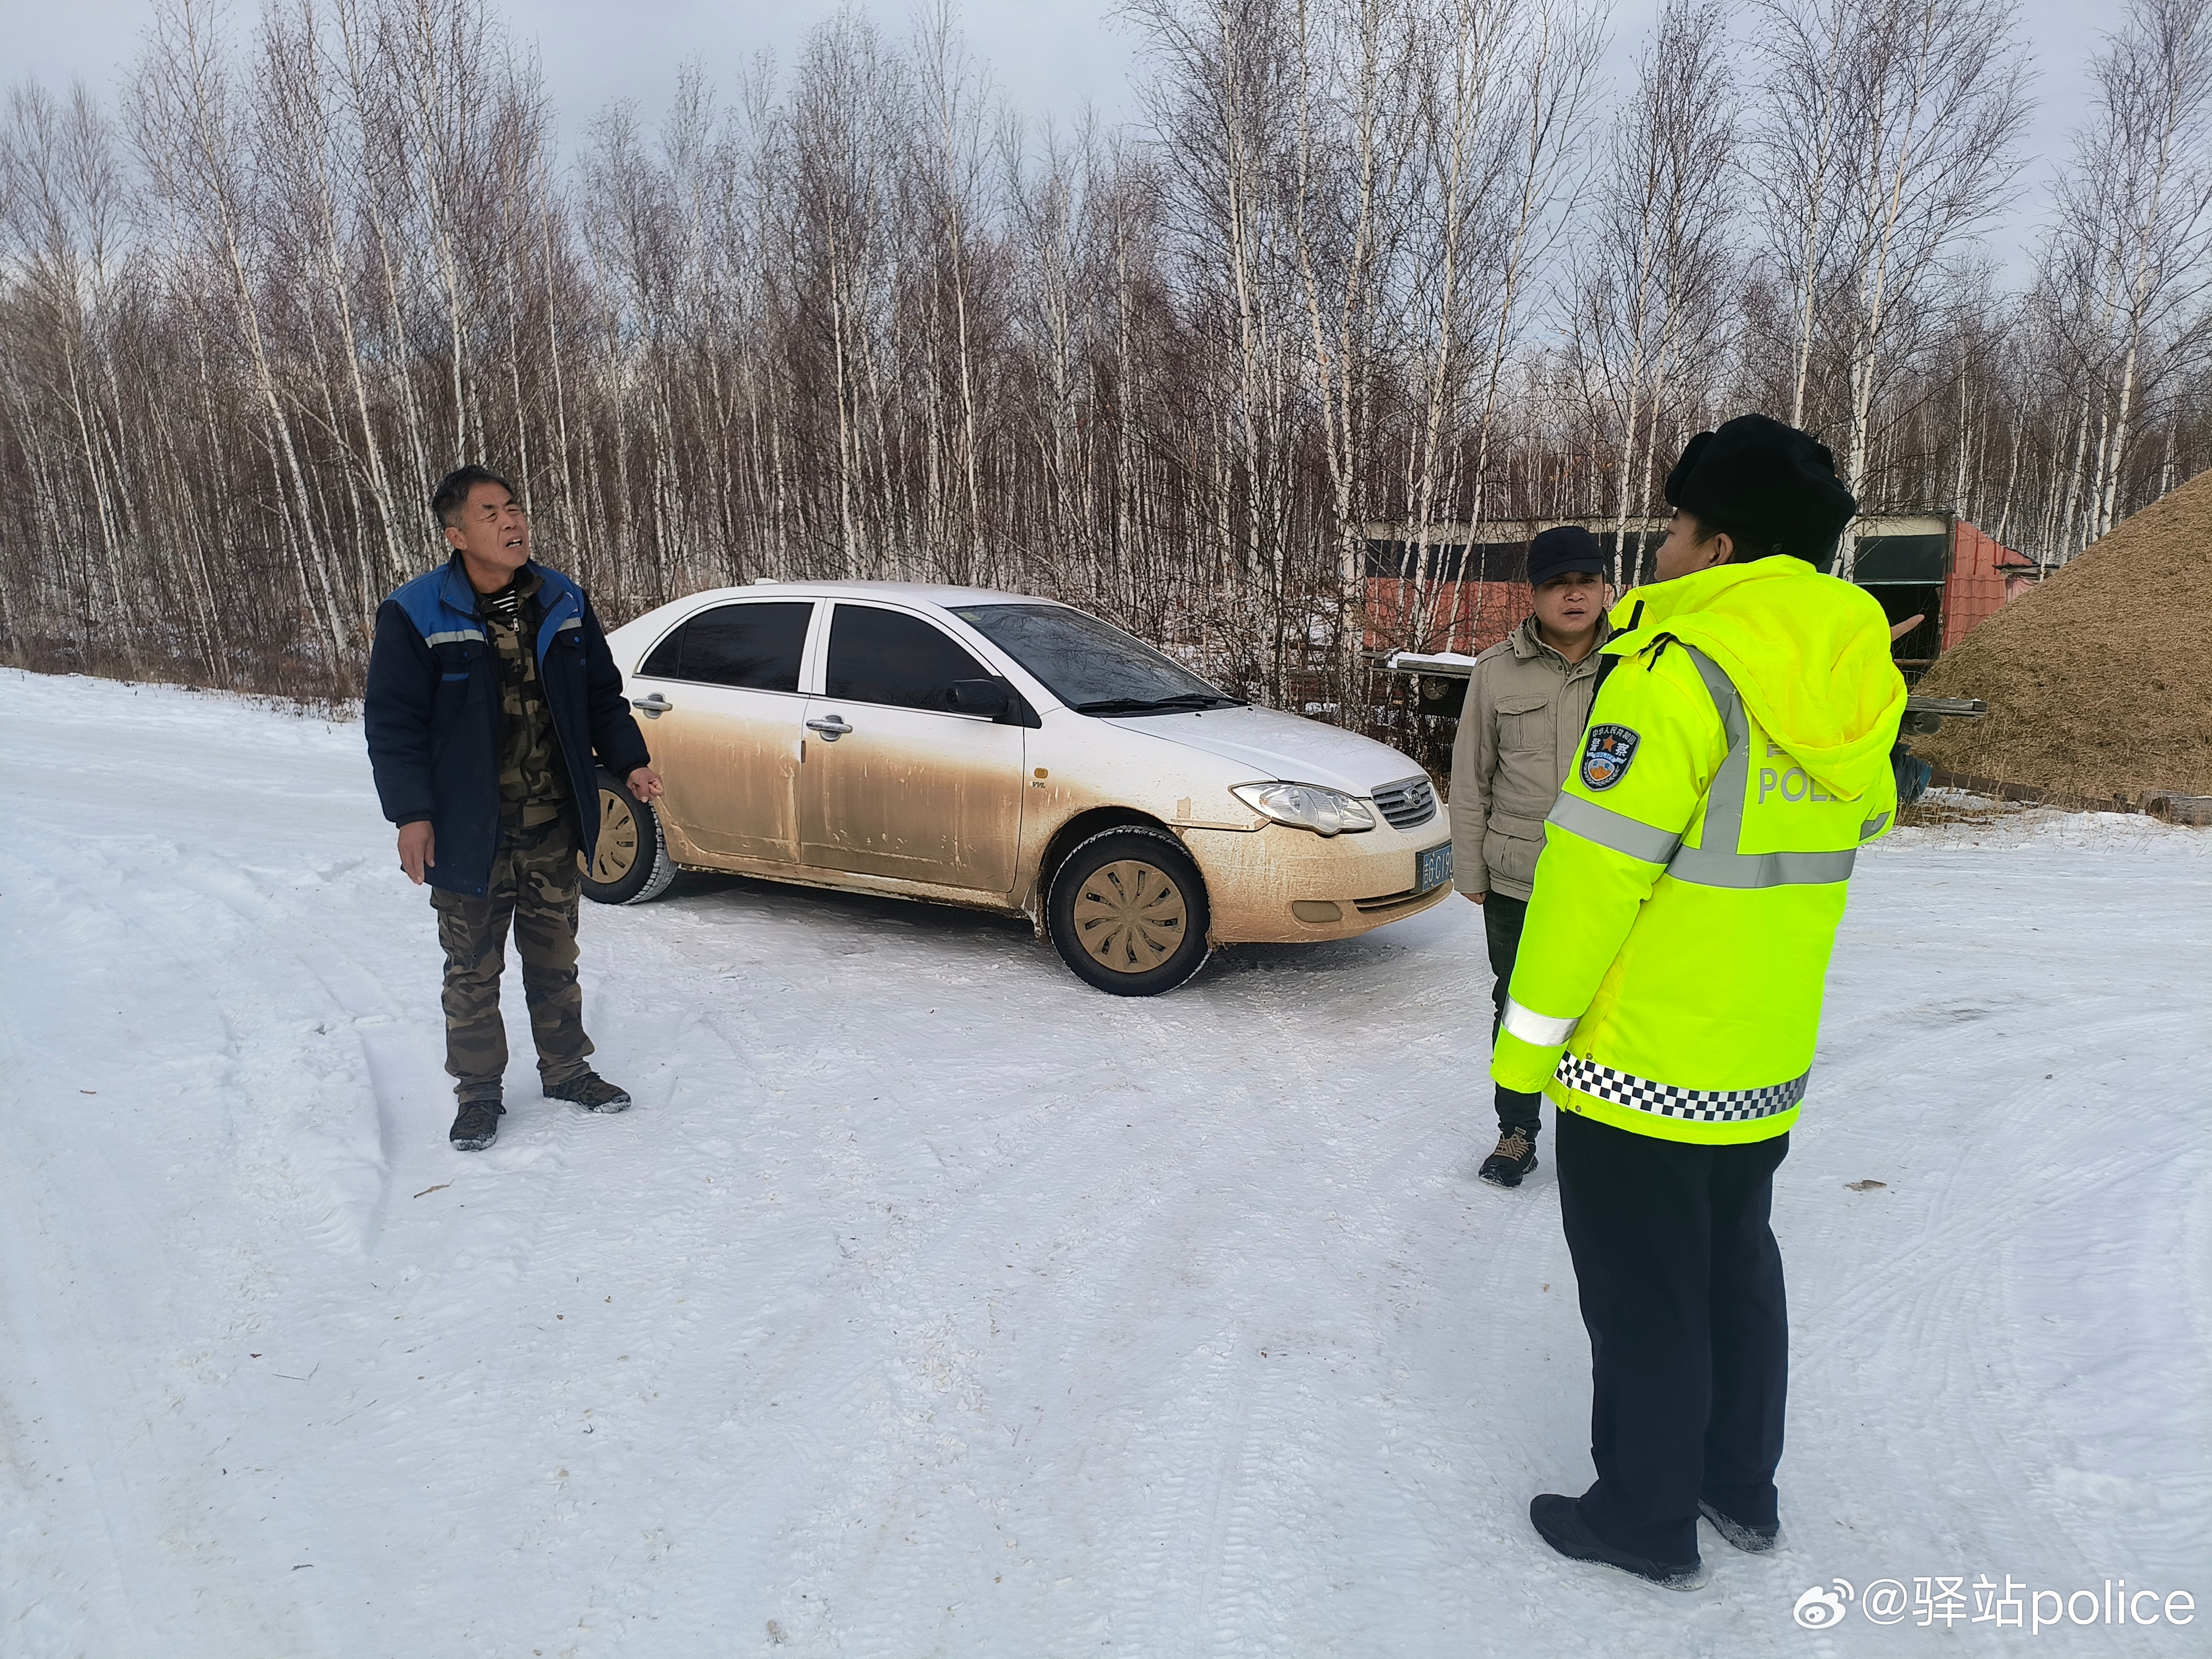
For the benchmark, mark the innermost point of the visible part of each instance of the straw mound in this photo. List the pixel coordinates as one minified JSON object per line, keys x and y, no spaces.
{"x":2099,"y":682}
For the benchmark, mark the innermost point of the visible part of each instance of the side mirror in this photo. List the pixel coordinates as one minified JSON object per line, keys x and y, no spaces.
{"x":994,"y":699}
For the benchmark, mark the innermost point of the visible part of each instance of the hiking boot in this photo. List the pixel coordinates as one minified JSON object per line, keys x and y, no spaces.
{"x":1753,"y":1540}
{"x":1514,"y":1156}
{"x":478,"y":1126}
{"x":1560,"y":1521}
{"x":591,"y":1091}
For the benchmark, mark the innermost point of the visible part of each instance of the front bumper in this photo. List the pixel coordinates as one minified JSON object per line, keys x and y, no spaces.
{"x":1278,"y":885}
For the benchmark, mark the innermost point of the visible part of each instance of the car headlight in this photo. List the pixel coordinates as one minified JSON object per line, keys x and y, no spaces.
{"x":1308,"y":806}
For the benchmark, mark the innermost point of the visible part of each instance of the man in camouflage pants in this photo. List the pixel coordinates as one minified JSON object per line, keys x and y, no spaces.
{"x":490,"y":688}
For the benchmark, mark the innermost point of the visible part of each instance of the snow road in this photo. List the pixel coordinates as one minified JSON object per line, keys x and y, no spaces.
{"x":930,"y":1303}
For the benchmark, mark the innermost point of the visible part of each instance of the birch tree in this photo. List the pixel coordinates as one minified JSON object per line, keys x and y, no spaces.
{"x":858,"y":318}
{"x":1653,"y":262}
{"x":2131,"y":261}
{"x":1937,"y":100}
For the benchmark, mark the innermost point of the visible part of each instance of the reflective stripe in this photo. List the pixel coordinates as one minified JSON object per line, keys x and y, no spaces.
{"x":1872,"y":827}
{"x":1641,"y":1094}
{"x":1724,"y":799}
{"x":1706,"y":868}
{"x":1612,"y":829}
{"x":1541,"y":1030}
{"x":573,"y":622}
{"x":1717,"y":863}
{"x":455,"y":636}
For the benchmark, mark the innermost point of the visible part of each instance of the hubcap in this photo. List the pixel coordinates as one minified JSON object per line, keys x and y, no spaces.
{"x":617,"y":851}
{"x":1131,"y":916}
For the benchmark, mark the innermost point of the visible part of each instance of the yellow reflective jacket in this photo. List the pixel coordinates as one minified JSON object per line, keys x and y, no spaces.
{"x":1694,"y":866}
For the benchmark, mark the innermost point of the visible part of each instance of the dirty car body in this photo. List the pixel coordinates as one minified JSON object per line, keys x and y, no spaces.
{"x":957,"y":744}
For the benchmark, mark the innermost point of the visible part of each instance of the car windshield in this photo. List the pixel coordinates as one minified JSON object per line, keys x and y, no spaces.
{"x":1091,"y":665}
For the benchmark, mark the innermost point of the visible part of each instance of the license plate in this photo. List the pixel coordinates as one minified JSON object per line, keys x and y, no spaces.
{"x":1433,"y":868}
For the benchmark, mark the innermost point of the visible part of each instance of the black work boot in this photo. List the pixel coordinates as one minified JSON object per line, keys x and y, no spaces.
{"x":478,"y":1126}
{"x":1752,"y":1539}
{"x":1514,"y":1156}
{"x":1560,"y":1521}
{"x":591,"y":1091}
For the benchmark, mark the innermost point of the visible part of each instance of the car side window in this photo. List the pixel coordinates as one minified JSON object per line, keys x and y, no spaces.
{"x":755,"y":646}
{"x":889,"y":657}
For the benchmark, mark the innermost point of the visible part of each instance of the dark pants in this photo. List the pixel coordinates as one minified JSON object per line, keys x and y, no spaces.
{"x":1682,"y":1289}
{"x":535,"y":885}
{"x":1501,"y":930}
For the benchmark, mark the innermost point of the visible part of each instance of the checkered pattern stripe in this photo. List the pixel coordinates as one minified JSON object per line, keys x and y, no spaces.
{"x":1666,"y":1100}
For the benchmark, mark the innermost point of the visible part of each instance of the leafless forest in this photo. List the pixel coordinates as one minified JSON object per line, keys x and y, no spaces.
{"x":867,"y":314}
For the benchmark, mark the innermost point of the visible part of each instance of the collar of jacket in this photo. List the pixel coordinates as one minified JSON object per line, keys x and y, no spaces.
{"x":1527,"y":643}
{"x":560,"y":600}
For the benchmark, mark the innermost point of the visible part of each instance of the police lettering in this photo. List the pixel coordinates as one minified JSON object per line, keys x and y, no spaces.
{"x":1793,"y":785}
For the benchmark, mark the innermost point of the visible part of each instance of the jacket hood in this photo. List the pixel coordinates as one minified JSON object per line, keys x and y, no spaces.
{"x":1808,"y":654}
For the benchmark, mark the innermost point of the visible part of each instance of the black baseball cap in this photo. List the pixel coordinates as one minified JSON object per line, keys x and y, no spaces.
{"x":1565,"y":548}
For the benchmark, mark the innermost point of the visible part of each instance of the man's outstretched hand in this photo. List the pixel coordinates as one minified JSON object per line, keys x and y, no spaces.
{"x":418,"y":849}
{"x":644,"y":783}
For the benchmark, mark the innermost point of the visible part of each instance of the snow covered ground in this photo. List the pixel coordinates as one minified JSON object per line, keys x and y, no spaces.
{"x":930,"y":1303}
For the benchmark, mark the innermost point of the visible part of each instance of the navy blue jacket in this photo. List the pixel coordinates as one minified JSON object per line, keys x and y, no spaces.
{"x":433,"y":714}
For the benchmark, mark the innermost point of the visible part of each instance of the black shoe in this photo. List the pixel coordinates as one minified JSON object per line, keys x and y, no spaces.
{"x":591,"y":1091}
{"x":478,"y":1126}
{"x":1753,"y":1540}
{"x":1559,"y":1520}
{"x":1514,"y":1156}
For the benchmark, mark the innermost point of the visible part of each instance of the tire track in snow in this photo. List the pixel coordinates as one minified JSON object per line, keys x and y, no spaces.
{"x":1021,"y":1278}
{"x":2004,"y":1172}
{"x":907,"y":1252}
{"x":97,"y":1369}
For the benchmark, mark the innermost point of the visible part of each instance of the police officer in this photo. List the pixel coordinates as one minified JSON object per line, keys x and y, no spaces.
{"x":490,"y":689}
{"x":1666,"y":993}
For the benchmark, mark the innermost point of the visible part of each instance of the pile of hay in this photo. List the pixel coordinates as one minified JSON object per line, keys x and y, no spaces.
{"x":2099,"y":682}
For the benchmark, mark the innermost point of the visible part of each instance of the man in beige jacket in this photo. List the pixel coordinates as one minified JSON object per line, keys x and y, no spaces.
{"x":1527,"y":699}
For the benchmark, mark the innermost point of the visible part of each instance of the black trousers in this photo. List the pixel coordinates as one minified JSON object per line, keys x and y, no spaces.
{"x":1501,"y":931}
{"x":1680,"y":1282}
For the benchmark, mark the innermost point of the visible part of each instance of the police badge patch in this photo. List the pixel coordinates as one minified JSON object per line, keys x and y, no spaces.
{"x":1606,"y":751}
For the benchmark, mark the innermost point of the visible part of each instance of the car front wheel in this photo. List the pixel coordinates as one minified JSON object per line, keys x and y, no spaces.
{"x":631,"y":864}
{"x":1128,"y":912}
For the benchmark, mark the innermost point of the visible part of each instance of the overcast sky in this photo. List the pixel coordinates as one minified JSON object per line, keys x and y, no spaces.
{"x":1050,"y":57}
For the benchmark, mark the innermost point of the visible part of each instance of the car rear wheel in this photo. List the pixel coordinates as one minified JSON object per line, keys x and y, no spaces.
{"x":631,"y":864}
{"x":1128,"y":912}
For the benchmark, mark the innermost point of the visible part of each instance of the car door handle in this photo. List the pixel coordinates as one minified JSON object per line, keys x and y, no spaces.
{"x":656,"y":705}
{"x":831,"y":727}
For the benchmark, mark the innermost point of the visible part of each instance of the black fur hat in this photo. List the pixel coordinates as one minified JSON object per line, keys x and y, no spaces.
{"x":1770,"y":486}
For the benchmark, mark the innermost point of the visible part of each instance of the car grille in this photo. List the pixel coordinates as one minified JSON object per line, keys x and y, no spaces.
{"x":1368,"y":907}
{"x":1405,"y":804}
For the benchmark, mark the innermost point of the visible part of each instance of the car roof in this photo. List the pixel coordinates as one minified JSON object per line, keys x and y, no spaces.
{"x":919,"y":593}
